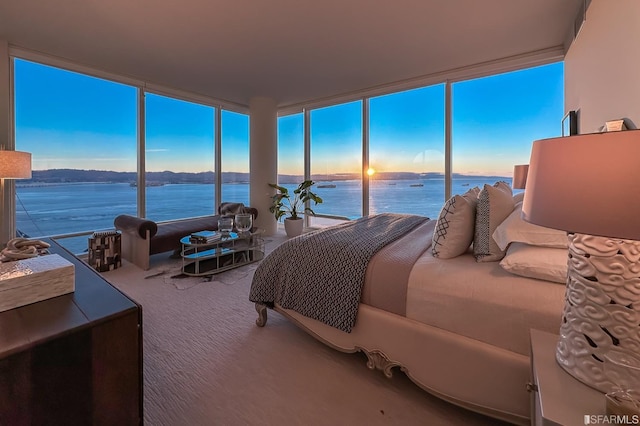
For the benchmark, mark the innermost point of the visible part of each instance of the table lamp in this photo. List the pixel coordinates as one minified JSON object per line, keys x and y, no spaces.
{"x":13,"y":165}
{"x":520,"y":173}
{"x":589,"y":186}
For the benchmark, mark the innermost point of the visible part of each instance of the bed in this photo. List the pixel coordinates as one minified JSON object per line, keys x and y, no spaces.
{"x":456,"y":325}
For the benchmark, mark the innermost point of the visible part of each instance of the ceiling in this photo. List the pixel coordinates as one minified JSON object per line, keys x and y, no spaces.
{"x":292,"y":51}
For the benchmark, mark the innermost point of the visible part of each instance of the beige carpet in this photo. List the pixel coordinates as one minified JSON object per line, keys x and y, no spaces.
{"x":207,"y":363}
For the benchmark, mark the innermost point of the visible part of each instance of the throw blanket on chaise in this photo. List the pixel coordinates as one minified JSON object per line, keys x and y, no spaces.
{"x":321,"y":274}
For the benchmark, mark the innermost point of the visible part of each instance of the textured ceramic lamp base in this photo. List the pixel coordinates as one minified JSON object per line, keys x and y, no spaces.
{"x":602,"y":307}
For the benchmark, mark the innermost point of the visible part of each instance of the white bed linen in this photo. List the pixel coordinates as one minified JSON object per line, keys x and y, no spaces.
{"x":482,"y":301}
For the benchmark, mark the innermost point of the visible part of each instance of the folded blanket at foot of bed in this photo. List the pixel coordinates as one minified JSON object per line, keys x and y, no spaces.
{"x":321,"y":274}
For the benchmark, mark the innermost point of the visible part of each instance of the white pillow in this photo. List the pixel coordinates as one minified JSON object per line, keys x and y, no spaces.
{"x":516,"y":229}
{"x":453,"y":233}
{"x":543,"y":263}
{"x":495,"y":203}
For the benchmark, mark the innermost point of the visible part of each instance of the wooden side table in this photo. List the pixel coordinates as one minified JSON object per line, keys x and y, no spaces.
{"x":557,"y":398}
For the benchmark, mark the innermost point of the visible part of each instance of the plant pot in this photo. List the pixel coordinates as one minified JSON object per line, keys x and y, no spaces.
{"x":293,"y":227}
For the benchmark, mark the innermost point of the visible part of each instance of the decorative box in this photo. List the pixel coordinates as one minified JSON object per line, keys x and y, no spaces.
{"x":104,"y":250}
{"x":31,"y":280}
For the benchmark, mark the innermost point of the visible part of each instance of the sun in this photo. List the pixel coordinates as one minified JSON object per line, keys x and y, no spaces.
{"x":371,"y":171}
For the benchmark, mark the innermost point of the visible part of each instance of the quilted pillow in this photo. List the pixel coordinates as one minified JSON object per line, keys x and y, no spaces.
{"x":453,"y":233}
{"x":516,"y":229}
{"x":543,"y":263}
{"x":495,"y":203}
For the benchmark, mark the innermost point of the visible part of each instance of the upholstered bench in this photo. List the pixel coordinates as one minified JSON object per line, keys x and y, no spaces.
{"x":142,"y":238}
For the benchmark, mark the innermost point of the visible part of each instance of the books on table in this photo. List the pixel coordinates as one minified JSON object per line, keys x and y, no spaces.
{"x":205,"y":237}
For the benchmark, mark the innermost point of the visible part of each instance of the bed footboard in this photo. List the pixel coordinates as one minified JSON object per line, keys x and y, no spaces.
{"x":469,"y":373}
{"x":261,"y":309}
{"x":377,"y":360}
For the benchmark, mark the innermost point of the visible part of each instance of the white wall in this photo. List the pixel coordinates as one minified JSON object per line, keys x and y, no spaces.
{"x":602,"y":66}
{"x":263,"y":159}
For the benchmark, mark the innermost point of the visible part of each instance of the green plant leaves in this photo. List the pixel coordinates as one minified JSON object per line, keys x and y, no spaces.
{"x":284,"y":203}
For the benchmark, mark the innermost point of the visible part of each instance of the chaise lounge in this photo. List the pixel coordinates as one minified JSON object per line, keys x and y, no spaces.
{"x":142,"y":237}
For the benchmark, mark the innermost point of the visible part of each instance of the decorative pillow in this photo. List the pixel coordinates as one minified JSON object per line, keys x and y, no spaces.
{"x":516,"y":229}
{"x":453,"y":233}
{"x":495,"y":203}
{"x":543,"y":263}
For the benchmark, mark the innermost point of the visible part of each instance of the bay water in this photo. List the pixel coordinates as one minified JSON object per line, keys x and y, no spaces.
{"x":56,"y":209}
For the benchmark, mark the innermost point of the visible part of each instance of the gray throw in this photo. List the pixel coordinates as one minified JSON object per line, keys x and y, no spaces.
{"x":321,"y":274}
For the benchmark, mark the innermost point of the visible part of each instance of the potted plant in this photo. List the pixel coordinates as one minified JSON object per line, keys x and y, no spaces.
{"x":293,"y":205}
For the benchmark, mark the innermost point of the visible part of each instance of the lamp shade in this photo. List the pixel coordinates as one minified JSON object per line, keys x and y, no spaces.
{"x":587,"y":184}
{"x":520,"y":176}
{"x":15,"y":165}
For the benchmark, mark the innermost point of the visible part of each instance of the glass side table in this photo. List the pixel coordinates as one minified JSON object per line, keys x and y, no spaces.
{"x":229,"y":251}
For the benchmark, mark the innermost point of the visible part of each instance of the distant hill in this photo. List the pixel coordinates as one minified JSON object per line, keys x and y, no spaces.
{"x":105,"y":176}
{"x":54,"y":176}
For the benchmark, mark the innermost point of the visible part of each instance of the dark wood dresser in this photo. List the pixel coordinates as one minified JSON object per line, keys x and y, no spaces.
{"x":74,"y":359}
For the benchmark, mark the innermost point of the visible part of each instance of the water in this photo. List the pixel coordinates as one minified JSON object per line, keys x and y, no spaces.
{"x":87,"y":207}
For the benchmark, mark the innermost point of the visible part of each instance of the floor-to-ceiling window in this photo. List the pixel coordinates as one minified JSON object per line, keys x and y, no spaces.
{"x":235,"y":157}
{"x":179,"y":156}
{"x":496,"y":119}
{"x":336,"y":158}
{"x":406,"y":152}
{"x":81,"y":132}
{"x":290,"y":148}
{"x":84,"y":138}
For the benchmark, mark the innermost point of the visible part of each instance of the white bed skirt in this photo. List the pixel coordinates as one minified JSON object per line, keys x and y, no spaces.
{"x":463,"y":371}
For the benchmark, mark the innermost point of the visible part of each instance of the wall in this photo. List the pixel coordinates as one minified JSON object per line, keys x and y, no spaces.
{"x":602,"y":67}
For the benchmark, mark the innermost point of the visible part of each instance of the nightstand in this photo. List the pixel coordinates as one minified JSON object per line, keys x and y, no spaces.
{"x":556,"y":397}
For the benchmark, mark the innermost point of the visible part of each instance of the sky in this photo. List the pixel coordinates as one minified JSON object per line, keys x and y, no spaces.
{"x":69,"y":120}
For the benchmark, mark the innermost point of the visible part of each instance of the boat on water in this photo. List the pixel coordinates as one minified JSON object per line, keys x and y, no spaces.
{"x":416,"y":184}
{"x":327,"y":185}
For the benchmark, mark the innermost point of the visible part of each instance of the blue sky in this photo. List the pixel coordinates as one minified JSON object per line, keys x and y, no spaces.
{"x":495,"y":121}
{"x":68,"y":120}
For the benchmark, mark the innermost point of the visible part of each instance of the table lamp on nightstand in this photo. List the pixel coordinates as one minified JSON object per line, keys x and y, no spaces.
{"x":13,"y":165}
{"x":520,"y":173}
{"x":589,"y":186}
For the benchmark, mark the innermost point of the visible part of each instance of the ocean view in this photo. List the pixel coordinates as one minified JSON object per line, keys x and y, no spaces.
{"x":64,"y":208}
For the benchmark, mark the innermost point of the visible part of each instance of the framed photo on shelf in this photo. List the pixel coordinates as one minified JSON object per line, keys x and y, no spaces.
{"x":570,"y":123}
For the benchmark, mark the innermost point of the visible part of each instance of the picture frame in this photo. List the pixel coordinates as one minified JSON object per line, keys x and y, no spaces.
{"x":570,"y":123}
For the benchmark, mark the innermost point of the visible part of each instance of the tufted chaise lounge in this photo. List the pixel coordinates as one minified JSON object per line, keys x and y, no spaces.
{"x":142,"y":238}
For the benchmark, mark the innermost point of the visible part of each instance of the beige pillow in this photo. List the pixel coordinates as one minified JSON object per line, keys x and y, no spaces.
{"x":495,"y":203}
{"x":542,"y":263}
{"x":516,"y":229}
{"x":453,"y":233}
{"x":518,"y":198}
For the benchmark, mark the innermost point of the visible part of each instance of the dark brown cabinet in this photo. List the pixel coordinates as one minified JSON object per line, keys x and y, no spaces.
{"x":74,"y":359}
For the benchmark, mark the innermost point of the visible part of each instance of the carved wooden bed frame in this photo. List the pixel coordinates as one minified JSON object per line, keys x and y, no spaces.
{"x":466,"y":372}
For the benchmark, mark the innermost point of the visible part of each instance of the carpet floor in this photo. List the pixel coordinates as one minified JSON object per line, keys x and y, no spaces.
{"x":207,"y":363}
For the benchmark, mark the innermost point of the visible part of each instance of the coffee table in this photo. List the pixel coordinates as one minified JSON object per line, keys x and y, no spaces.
{"x":230,"y":251}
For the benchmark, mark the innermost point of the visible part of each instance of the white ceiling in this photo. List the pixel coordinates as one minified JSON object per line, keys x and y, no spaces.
{"x":290,"y":50}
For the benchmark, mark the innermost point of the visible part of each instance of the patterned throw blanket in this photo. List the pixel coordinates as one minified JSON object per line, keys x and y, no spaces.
{"x":320,"y":274}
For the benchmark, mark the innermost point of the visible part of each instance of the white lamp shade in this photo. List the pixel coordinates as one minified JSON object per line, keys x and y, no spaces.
{"x":15,"y":165}
{"x":587,"y":184}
